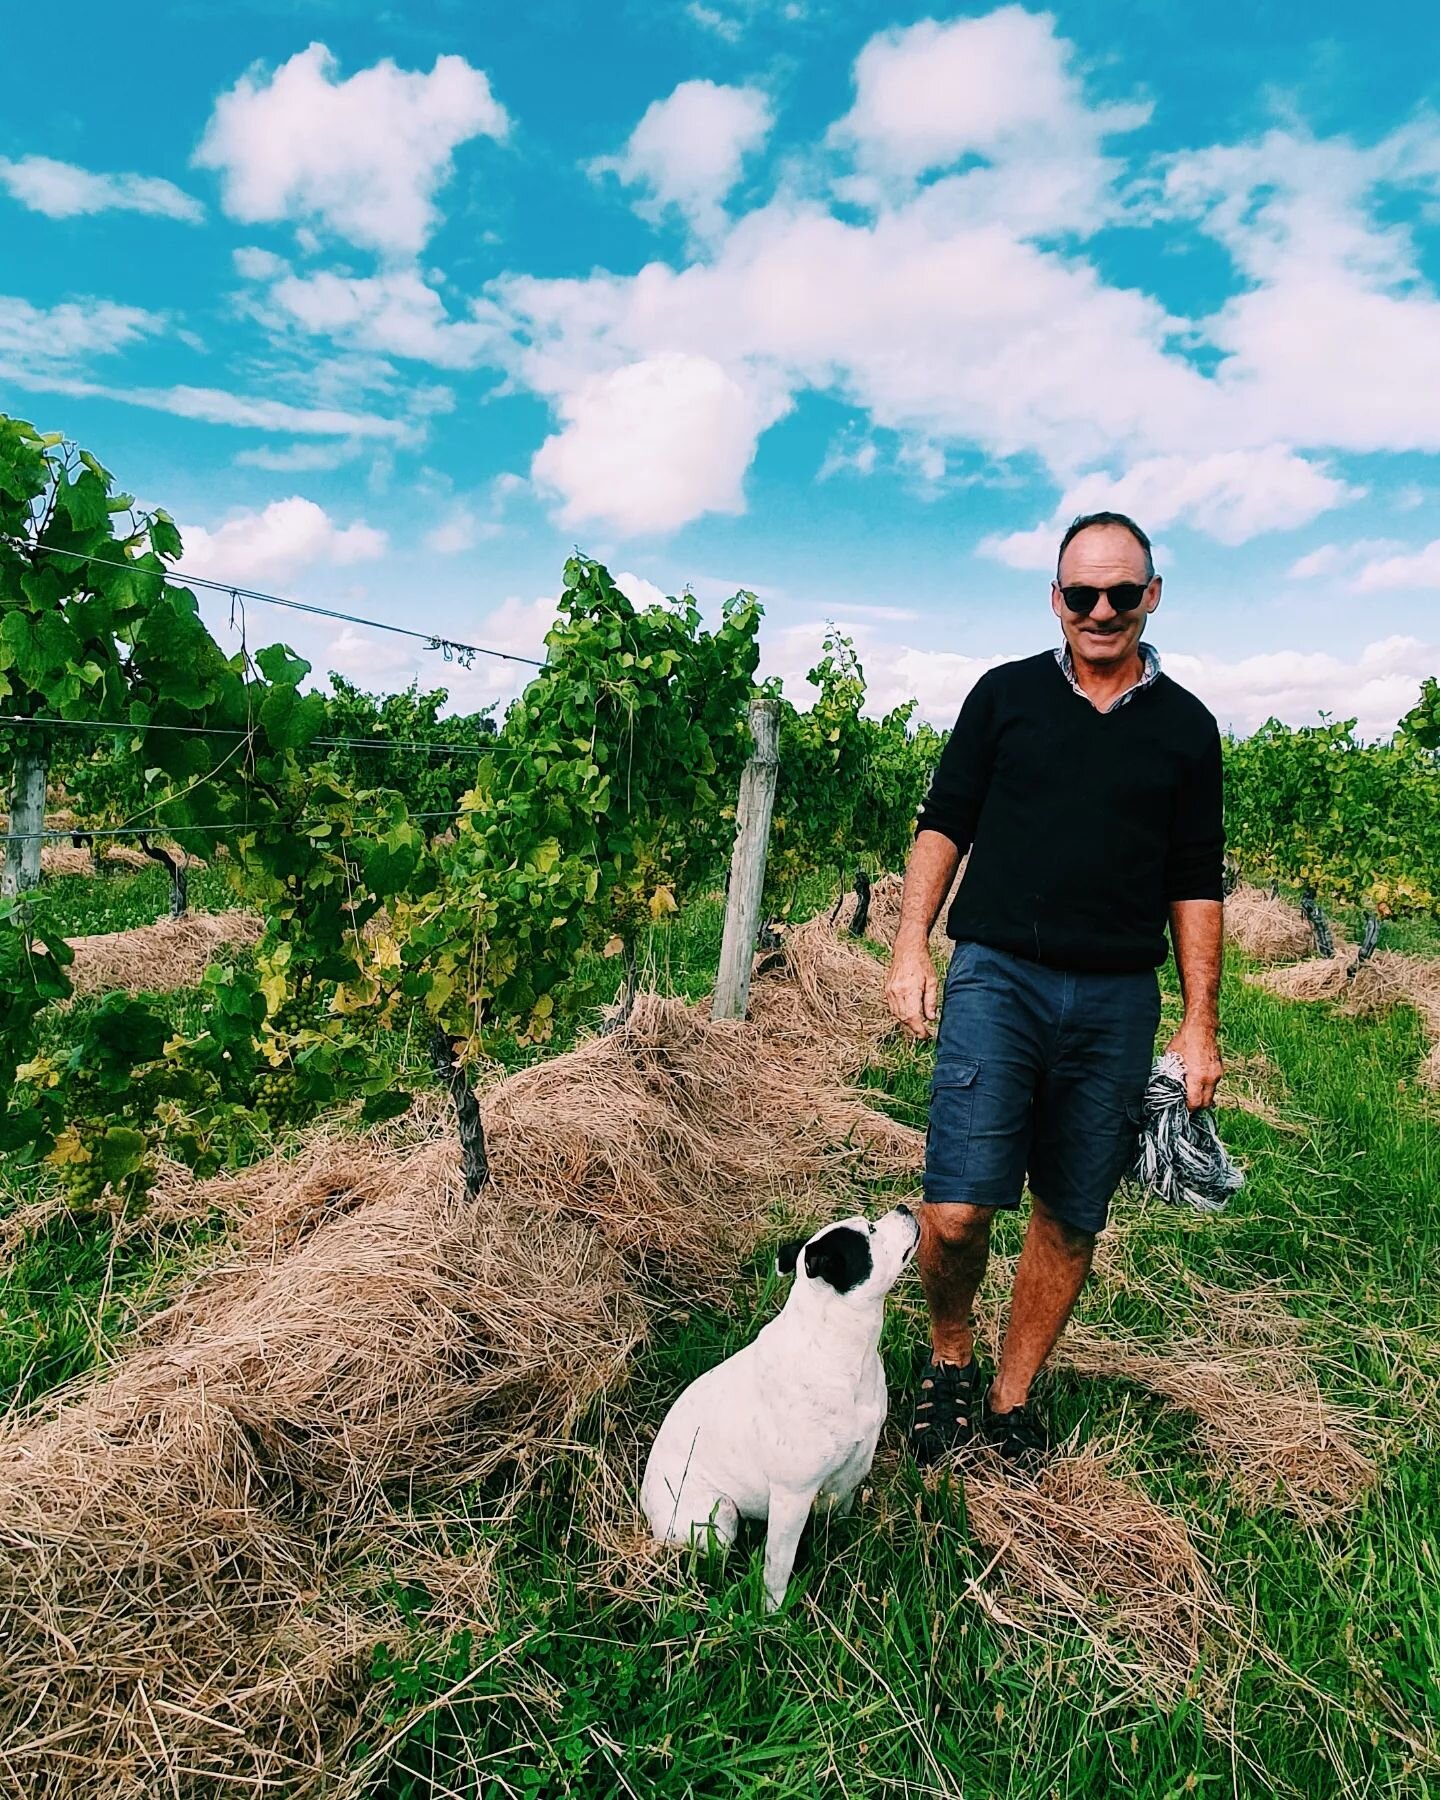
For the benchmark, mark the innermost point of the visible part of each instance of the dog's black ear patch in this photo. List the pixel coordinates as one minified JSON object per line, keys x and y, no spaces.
{"x":841,"y":1257}
{"x":788,"y":1255}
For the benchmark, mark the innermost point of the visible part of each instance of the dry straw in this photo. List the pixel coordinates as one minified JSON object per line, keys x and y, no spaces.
{"x":184,"y":1544}
{"x":1272,"y":1438}
{"x":1081,"y":1548}
{"x":153,"y":959}
{"x":679,"y":1138}
{"x":58,"y":860}
{"x":1388,"y":978}
{"x":1266,"y":928}
{"x":883,"y":918}
{"x":192,"y":1546}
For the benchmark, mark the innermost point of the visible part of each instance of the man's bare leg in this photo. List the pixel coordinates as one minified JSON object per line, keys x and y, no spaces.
{"x":1053,"y":1265}
{"x":954,"y":1248}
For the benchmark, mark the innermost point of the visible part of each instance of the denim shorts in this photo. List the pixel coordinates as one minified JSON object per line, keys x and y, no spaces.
{"x":1039,"y":1074}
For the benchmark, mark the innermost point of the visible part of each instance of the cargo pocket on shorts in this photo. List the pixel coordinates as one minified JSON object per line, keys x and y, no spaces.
{"x":952,"y":1107}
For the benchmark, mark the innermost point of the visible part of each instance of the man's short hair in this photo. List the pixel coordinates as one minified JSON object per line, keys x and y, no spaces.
{"x":1086,"y":520}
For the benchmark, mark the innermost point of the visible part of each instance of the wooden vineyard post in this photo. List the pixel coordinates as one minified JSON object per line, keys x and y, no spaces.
{"x":27,"y":822}
{"x":747,"y":863}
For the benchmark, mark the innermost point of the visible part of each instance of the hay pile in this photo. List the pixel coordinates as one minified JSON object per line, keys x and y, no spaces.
{"x":153,"y":959}
{"x":62,"y":859}
{"x":1081,"y":1548}
{"x":1392,"y":979}
{"x":191,"y":1549}
{"x":679,"y":1139}
{"x":1270,"y":1435}
{"x":1388,"y":978}
{"x":883,"y":919}
{"x":1319,"y":978}
{"x":1266,"y":928}
{"x":57,"y":860}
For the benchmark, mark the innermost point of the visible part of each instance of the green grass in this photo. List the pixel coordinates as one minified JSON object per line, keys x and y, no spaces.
{"x":882,"y":1675}
{"x":84,"y":905}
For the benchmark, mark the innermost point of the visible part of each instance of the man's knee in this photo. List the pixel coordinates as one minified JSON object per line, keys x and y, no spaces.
{"x":955,"y":1227}
{"x":1068,"y":1237}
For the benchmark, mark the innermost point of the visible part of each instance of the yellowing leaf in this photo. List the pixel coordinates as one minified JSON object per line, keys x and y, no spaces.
{"x":42,"y":1072}
{"x":613,"y":947}
{"x":662,"y":901}
{"x":68,"y":1149}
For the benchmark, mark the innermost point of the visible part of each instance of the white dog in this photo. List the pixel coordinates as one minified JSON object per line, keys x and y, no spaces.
{"x":794,"y":1417}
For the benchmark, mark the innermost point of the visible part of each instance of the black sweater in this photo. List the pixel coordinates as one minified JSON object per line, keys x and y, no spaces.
{"x":1082,"y":826}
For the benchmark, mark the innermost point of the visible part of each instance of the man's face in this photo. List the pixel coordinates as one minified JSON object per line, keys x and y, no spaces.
{"x":1099,"y":557}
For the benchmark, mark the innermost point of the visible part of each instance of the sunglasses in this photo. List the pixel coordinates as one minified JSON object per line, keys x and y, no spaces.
{"x":1124,"y":596}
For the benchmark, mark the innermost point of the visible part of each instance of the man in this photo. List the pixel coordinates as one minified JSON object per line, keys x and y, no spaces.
{"x":1086,"y":786}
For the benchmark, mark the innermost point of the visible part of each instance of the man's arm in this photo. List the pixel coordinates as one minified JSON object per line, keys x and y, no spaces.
{"x":911,"y":989}
{"x":945,"y":831}
{"x":1195,"y":887}
{"x":1198,"y":930}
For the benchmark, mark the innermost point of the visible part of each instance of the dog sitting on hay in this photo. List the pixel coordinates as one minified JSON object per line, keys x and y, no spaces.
{"x":792,"y":1420}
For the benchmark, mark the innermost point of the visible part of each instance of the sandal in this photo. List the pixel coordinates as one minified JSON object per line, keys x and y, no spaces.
{"x":945,"y":1410}
{"x":1019,"y":1435}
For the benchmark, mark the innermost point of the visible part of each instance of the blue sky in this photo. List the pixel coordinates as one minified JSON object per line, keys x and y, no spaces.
{"x":850,"y":304}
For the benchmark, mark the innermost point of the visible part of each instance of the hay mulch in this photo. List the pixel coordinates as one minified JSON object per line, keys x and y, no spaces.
{"x":1388,"y":978}
{"x":883,"y":920}
{"x":1269,"y":1433}
{"x":1266,"y":928}
{"x":62,"y":859}
{"x":194,"y":1546}
{"x":1318,"y":978}
{"x":1080,"y":1548}
{"x":682,"y":1139}
{"x":172,"y":953}
{"x":194,"y":1550}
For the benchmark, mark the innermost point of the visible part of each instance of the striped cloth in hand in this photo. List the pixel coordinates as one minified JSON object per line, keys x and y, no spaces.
{"x":1180,"y":1156}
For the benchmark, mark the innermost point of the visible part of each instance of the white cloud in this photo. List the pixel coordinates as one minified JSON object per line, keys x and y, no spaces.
{"x":1232,"y":496}
{"x":653,"y":444}
{"x":894,"y":672}
{"x":1417,"y":569}
{"x":393,"y":313}
{"x":638,"y":591}
{"x":962,"y":313}
{"x":516,"y":626}
{"x":942,"y":331}
{"x":849,"y":455}
{"x":214,"y":406}
{"x":1345,"y":560}
{"x":724,"y":25}
{"x":461,"y":529}
{"x":42,"y":349}
{"x":688,"y":149}
{"x":1000,"y":86}
{"x":1324,"y":561}
{"x":364,"y":156}
{"x":1335,"y":337}
{"x":276,"y":543}
{"x":298,"y":458}
{"x":1376,"y":689}
{"x":48,"y":339}
{"x":62,"y":190}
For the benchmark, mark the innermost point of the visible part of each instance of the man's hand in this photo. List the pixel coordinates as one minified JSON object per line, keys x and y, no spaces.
{"x":1198,"y":1048}
{"x":910,"y":989}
